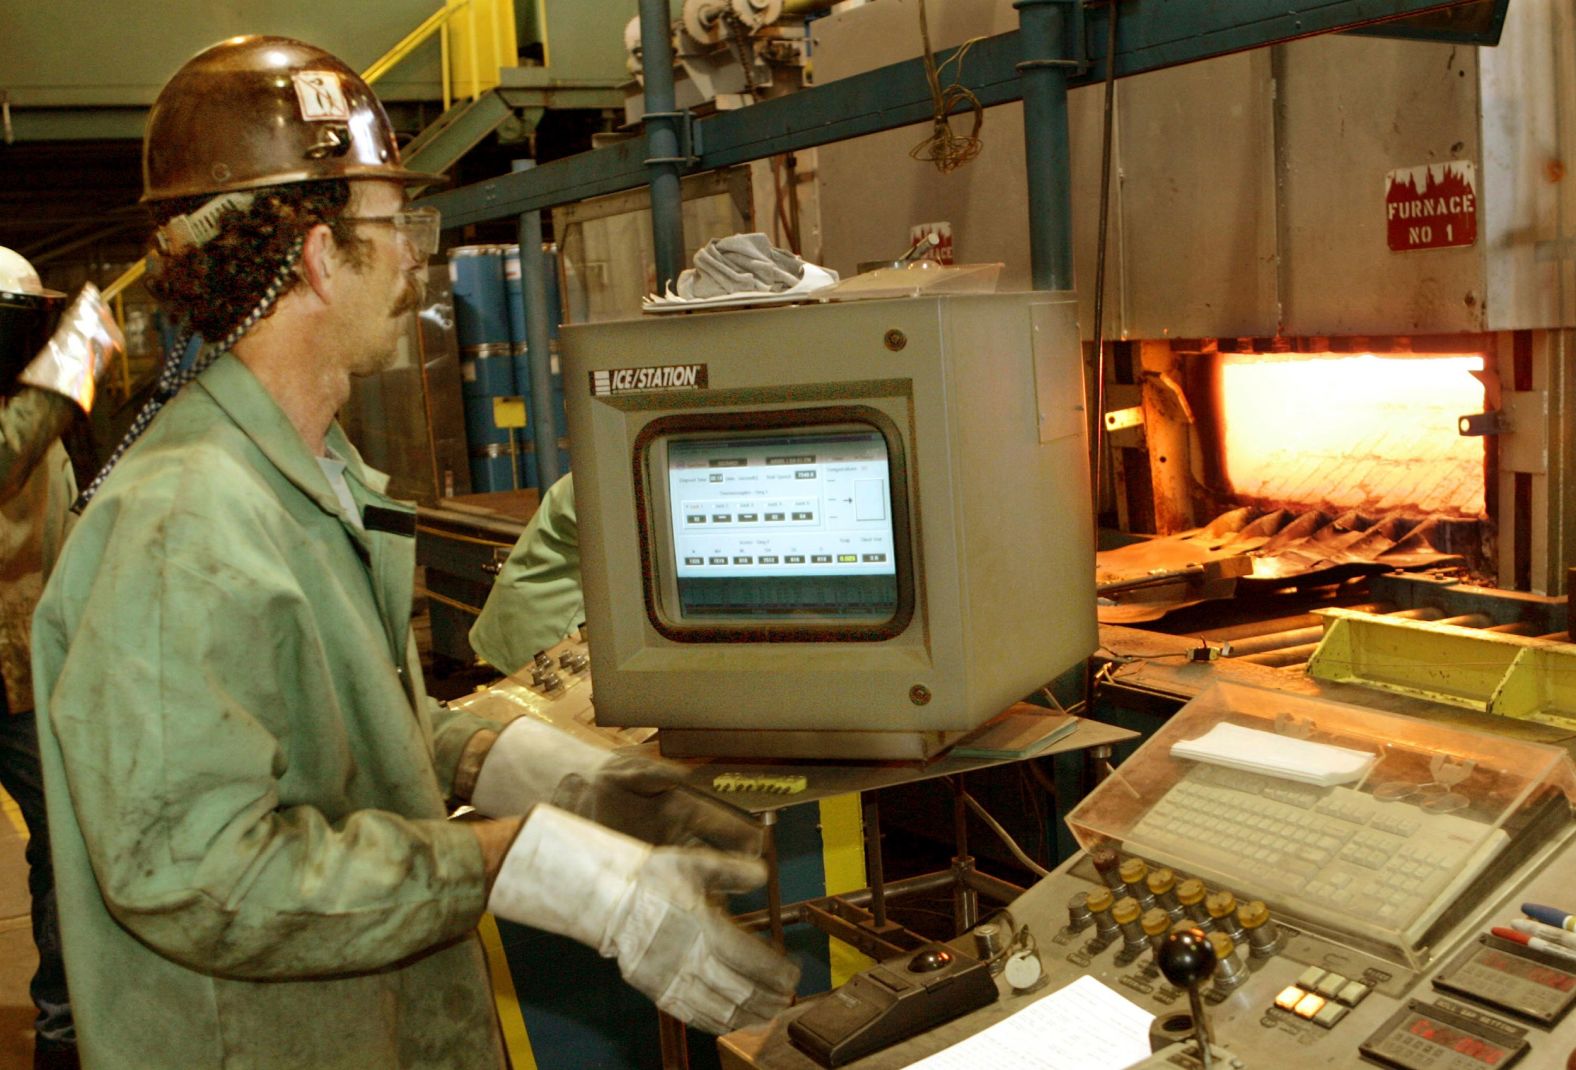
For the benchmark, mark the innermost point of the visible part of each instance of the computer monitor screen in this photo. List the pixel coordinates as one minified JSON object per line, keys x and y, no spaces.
{"x":794,"y":527}
{"x":851,"y":530}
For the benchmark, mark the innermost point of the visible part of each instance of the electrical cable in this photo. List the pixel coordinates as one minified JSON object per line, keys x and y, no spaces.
{"x":1099,"y":270}
{"x":1006,"y":838}
{"x":945,"y":148}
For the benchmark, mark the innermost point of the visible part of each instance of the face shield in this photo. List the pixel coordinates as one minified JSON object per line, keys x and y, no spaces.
{"x":28,"y":312}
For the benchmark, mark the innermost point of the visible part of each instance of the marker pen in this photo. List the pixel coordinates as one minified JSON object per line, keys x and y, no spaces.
{"x":1537,"y":943}
{"x":1550,"y":916}
{"x":1545,"y":932}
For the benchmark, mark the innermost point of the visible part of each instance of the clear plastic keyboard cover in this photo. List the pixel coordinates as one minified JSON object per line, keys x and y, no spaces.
{"x":1381,"y":858}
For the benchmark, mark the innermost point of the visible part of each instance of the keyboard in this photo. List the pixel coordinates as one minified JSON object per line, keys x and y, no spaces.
{"x":1334,"y":855}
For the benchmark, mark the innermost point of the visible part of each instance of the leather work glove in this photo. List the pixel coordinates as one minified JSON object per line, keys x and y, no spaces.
{"x":533,"y":763}
{"x":80,"y":352}
{"x":647,"y":907}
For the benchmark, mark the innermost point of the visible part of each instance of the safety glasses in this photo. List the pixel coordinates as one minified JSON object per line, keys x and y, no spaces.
{"x":418,"y":226}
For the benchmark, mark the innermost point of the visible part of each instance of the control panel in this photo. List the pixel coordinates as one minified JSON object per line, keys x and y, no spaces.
{"x":555,"y":688}
{"x":1454,"y":831}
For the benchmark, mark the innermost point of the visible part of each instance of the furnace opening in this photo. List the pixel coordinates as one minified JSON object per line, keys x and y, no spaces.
{"x":1336,"y":431}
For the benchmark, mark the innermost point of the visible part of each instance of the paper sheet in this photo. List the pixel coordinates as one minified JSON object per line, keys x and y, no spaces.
{"x":1275,"y":755}
{"x":1085,"y":1025}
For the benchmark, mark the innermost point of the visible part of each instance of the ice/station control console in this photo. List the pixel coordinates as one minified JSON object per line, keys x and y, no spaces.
{"x":1354,"y":878}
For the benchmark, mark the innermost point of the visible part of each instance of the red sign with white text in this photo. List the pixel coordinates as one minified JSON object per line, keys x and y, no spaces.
{"x":1431,"y":207}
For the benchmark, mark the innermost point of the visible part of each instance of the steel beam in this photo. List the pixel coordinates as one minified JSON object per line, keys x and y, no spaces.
{"x":1155,"y":34}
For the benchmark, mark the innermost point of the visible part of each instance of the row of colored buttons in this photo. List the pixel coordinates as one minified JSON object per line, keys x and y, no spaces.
{"x":1321,"y":996}
{"x":791,"y":559}
{"x":1310,"y":1005}
{"x":1332,"y":985}
{"x":744,"y":518}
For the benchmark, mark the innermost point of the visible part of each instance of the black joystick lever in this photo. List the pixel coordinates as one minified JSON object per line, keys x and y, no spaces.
{"x":1188,"y":960}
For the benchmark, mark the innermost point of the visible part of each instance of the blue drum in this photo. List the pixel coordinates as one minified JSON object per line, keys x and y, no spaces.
{"x":488,"y":371}
{"x":480,"y":428}
{"x":514,"y":291}
{"x":494,"y":460}
{"x":492,"y":469}
{"x":481,"y":301}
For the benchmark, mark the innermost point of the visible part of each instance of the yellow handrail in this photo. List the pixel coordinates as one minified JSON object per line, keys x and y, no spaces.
{"x":409,"y":43}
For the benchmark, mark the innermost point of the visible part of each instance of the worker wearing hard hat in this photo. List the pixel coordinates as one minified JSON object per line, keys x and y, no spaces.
{"x":48,"y":377}
{"x":246,"y":782}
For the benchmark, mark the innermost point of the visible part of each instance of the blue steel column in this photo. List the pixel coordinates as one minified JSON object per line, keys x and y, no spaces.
{"x":533,"y":284}
{"x":663,"y":158}
{"x":1043,"y":26}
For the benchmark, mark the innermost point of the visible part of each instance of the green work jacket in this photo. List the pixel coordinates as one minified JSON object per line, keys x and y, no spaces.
{"x":246,"y":782}
{"x":536,"y":599}
{"x":36,"y":492}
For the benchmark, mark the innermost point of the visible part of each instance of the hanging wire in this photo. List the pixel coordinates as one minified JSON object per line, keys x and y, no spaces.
{"x":173,"y":376}
{"x":1099,"y":270}
{"x":945,"y":148}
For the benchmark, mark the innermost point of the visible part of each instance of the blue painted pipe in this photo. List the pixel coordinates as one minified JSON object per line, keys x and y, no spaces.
{"x":663,"y":159}
{"x":1044,"y":70}
{"x":543,"y":424}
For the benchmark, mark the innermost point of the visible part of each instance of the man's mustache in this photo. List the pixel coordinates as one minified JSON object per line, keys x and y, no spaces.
{"x":414,"y":294}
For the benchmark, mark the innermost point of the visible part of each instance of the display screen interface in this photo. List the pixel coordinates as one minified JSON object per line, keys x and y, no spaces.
{"x":1462,"y":1043}
{"x":797,"y":525}
{"x":1526,"y":970}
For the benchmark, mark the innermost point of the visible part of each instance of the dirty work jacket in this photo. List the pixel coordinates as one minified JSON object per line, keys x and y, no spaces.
{"x":535,"y":600}
{"x":36,"y":492}
{"x":246,"y":806}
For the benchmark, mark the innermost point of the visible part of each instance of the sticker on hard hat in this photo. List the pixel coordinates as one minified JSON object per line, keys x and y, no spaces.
{"x":322,"y":96}
{"x":635,"y":380}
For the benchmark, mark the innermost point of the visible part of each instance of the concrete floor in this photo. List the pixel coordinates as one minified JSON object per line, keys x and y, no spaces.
{"x":17,"y":957}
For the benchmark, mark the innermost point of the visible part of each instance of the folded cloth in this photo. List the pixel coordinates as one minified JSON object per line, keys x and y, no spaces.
{"x":739,"y":264}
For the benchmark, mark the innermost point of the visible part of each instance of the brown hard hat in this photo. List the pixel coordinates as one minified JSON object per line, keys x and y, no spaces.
{"x":255,"y":111}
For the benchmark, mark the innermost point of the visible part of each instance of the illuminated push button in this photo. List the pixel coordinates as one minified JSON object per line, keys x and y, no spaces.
{"x":1309,"y":1006}
{"x":1289,"y":997}
{"x":1352,"y":993}
{"x":1329,"y":1015}
{"x":1310,"y":977}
